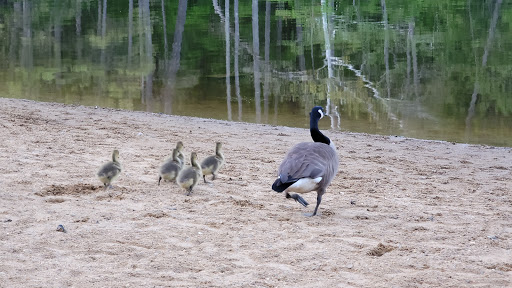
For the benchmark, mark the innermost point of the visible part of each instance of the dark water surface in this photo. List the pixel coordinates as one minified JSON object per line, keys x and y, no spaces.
{"x":432,"y":69}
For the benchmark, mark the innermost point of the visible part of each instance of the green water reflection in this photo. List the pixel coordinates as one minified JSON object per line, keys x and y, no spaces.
{"x":426,"y":69}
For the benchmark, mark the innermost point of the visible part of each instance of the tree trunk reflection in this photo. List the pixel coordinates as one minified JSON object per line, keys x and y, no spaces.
{"x":174,"y":63}
{"x":490,"y":38}
{"x":228,"y":58}
{"x":237,"y":48}
{"x":256,"y":60}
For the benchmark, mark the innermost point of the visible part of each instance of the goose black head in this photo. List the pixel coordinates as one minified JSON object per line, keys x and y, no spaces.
{"x":317,"y":113}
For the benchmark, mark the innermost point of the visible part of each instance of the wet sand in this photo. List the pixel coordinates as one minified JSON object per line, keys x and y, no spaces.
{"x":400,"y":213}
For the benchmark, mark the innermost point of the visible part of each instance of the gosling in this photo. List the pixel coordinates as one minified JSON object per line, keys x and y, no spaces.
{"x":212,"y":164}
{"x":189,"y":176}
{"x":171,"y":168}
{"x":110,"y":171}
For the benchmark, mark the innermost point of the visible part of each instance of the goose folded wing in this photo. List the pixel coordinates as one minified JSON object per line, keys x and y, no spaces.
{"x":302,"y":165}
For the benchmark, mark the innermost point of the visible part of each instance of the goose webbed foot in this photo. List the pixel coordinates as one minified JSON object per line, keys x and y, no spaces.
{"x":298,"y":198}
{"x":159,"y":179}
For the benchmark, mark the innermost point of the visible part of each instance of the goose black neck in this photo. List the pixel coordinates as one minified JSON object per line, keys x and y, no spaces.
{"x":315,"y":132}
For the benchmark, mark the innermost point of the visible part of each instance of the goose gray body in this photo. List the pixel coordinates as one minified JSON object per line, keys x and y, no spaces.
{"x":110,"y":171}
{"x":171,"y":168}
{"x":189,"y":176}
{"x":308,"y":166}
{"x":212,"y":164}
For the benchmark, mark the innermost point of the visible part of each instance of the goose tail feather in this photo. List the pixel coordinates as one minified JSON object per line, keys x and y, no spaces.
{"x":279,"y":186}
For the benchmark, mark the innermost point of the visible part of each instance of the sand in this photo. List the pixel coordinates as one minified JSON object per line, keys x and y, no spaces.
{"x":400,"y":212}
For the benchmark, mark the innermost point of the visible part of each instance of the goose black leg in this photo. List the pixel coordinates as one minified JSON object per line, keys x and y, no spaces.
{"x":318,"y":200}
{"x":297,"y":198}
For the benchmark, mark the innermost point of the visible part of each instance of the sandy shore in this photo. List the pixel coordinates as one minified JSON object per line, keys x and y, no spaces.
{"x":400,"y":213}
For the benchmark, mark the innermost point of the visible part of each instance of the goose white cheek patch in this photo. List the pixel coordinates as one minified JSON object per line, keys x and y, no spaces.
{"x":321,"y":113}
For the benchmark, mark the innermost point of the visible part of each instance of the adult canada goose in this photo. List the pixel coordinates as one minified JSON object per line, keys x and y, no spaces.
{"x":110,"y":171}
{"x":189,"y":176}
{"x":171,"y":168}
{"x":181,"y":157}
{"x":212,"y":164}
{"x":308,"y":166}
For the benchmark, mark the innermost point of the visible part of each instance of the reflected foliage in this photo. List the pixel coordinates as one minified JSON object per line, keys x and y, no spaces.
{"x":429,"y":69}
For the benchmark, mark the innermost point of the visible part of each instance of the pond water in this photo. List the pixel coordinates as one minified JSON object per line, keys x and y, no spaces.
{"x":432,"y":69}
